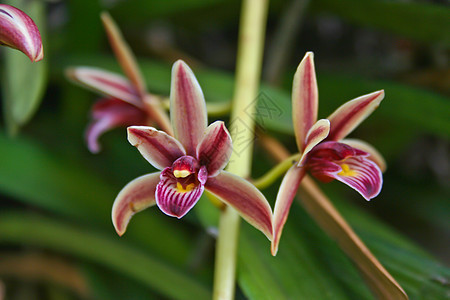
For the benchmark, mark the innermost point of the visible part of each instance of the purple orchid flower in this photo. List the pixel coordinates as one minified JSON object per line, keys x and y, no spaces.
{"x":190,"y":162}
{"x":18,"y":31}
{"x":324,"y":151}
{"x":127,"y":101}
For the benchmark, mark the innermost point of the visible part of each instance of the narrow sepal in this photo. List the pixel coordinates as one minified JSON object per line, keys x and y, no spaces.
{"x":157,"y":147}
{"x":106,"y":83}
{"x":187,"y":107}
{"x":318,"y":132}
{"x":173,"y":198}
{"x":18,"y":31}
{"x":215,"y":148}
{"x":374,"y":154}
{"x":134,"y":197}
{"x":286,"y":194}
{"x":349,"y":115}
{"x":123,"y":54}
{"x":249,"y":202}
{"x":305,"y":97}
{"x":111,"y":113}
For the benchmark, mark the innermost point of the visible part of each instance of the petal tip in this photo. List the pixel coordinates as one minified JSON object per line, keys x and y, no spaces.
{"x":179,"y":64}
{"x":274,"y":248}
{"x":134,"y":133}
{"x":309,"y":55}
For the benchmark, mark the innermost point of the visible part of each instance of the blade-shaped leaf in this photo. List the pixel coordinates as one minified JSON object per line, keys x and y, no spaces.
{"x":85,"y":243}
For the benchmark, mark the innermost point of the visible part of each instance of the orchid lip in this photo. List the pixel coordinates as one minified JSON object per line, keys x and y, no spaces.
{"x":176,"y":196}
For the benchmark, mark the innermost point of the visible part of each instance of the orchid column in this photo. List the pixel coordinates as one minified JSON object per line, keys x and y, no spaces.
{"x":248,"y":70}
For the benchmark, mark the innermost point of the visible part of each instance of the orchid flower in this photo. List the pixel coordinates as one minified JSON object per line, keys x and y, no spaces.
{"x":18,"y":31}
{"x":323,"y":150}
{"x":191,"y":161}
{"x":127,"y":101}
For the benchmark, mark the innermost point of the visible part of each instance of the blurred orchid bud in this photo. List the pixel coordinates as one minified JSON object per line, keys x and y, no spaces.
{"x":18,"y":31}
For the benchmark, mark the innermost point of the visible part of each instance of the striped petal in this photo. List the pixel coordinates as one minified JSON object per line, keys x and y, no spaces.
{"x":134,"y":197}
{"x":249,"y":202}
{"x":332,"y":160}
{"x":107,"y":83}
{"x":123,"y":54}
{"x":187,"y":107}
{"x":215,"y":149}
{"x":318,"y":132}
{"x":349,"y":115}
{"x":173,"y":198}
{"x":111,"y":113}
{"x":374,"y":155}
{"x":304,"y":99}
{"x":286,"y":194}
{"x":18,"y":31}
{"x":157,"y":147}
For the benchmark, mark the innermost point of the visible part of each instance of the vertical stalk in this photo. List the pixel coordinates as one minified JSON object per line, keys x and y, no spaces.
{"x":248,"y":73}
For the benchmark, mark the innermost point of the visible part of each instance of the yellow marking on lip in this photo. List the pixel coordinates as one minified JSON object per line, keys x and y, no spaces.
{"x":181,"y":173}
{"x":186,"y":189}
{"x":347,"y":172}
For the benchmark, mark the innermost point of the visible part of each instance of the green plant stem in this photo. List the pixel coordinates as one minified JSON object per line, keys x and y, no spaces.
{"x":248,"y":73}
{"x":277,"y":171}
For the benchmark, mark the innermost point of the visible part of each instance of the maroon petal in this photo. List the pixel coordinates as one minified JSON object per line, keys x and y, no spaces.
{"x":174,"y":199}
{"x":304,"y":99}
{"x":249,"y":202}
{"x":107,"y":83}
{"x":134,"y":197}
{"x":157,"y":147}
{"x":316,"y":134}
{"x":286,"y":194}
{"x":108,"y":114}
{"x":335,"y":151}
{"x":187,"y":107}
{"x":349,"y":115}
{"x":215,"y":149}
{"x":18,"y":31}
{"x":374,"y":155}
{"x":356,"y":171}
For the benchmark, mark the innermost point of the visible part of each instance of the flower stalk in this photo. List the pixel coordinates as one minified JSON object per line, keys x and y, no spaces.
{"x":248,"y":72}
{"x":276,"y":172}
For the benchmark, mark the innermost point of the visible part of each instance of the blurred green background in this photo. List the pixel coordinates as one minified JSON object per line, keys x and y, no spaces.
{"x":56,"y":237}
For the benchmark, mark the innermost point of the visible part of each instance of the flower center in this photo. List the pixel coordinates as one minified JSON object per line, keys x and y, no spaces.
{"x":185,"y":171}
{"x":346,"y":171}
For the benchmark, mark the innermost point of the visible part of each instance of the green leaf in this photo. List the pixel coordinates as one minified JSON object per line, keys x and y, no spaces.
{"x":32,"y":230}
{"x":24,"y":82}
{"x":69,"y":187}
{"x":420,"y":21}
{"x":308,"y":265}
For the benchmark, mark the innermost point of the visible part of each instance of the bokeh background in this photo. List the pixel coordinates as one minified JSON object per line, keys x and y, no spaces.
{"x":56,"y":236}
